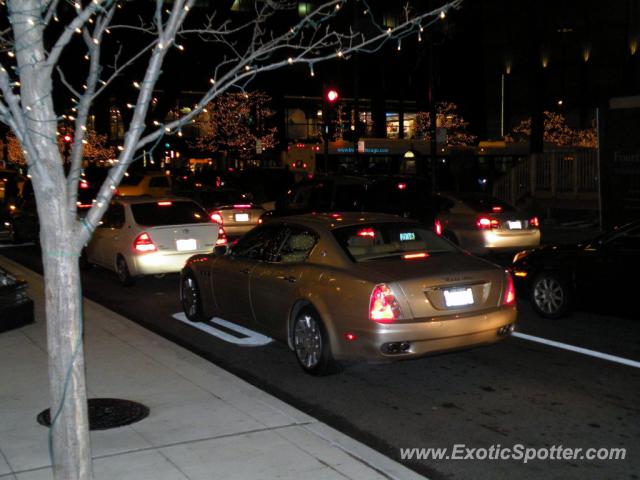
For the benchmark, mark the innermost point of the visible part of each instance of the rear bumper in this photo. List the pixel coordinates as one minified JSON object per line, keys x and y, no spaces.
{"x":426,"y":337}
{"x":496,"y":240}
{"x":157,"y":263}
{"x":238,"y":229}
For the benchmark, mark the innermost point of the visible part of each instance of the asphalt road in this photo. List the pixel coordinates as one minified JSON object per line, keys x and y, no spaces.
{"x":514,"y":392}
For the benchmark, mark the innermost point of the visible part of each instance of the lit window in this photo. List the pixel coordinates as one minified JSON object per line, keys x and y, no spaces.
{"x":304,"y":9}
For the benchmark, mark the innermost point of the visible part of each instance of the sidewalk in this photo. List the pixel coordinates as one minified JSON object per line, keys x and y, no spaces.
{"x":204,"y":423}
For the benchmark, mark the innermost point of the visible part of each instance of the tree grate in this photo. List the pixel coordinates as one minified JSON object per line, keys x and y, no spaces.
{"x":106,"y":413}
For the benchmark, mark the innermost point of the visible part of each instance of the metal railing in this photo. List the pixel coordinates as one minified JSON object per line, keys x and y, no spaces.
{"x":554,"y":174}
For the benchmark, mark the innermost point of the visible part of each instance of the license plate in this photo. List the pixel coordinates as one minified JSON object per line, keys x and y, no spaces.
{"x":186,"y":244}
{"x":515,"y":225}
{"x":242,"y":217}
{"x":458,"y":297}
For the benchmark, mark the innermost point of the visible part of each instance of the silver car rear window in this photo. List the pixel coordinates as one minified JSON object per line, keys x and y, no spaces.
{"x":168,"y":213}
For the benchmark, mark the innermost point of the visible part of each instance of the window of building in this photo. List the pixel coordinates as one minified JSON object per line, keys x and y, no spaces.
{"x":389,"y":21}
{"x":304,"y":9}
{"x":241,"y":6}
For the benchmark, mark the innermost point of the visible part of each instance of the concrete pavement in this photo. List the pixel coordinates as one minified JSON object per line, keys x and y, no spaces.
{"x":204,"y":422}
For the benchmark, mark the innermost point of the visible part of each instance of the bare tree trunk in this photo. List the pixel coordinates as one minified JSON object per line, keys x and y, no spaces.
{"x":71,"y":454}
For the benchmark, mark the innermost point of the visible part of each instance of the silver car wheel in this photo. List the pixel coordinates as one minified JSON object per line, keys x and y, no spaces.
{"x":307,"y":339}
{"x":549,"y":295}
{"x":190,"y":297}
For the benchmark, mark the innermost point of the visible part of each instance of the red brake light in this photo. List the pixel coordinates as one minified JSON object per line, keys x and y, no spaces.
{"x":84,"y":184}
{"x":486,"y":222}
{"x":164,"y":204}
{"x":509,"y":291}
{"x":222,"y":237}
{"x":217,"y":217}
{"x":496,"y":209}
{"x":534,"y":222}
{"x":244,"y":205}
{"x":411,"y":256}
{"x":402,"y":186}
{"x":438,"y":227}
{"x":144,"y":244}
{"x":383,"y":306}
{"x":367,"y":232}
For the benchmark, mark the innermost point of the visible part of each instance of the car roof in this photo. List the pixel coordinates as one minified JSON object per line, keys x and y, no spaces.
{"x":331,"y":220}
{"x":135,"y":200}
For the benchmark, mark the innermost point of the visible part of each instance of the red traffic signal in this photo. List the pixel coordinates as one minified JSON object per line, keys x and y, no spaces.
{"x":67,"y":138}
{"x":332,"y":95}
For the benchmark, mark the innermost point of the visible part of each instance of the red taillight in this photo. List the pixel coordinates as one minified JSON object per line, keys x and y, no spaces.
{"x":438,"y":227}
{"x":510,"y":291}
{"x":164,"y":204}
{"x":496,"y":209}
{"x":383,"y":306}
{"x":244,"y":205}
{"x":222,"y":237}
{"x":534,"y":222}
{"x":84,"y":184}
{"x":367,"y":232}
{"x":486,"y":222}
{"x":217,"y":217}
{"x":412,"y":256}
{"x":260,"y":220}
{"x":402,"y":186}
{"x":144,"y":244}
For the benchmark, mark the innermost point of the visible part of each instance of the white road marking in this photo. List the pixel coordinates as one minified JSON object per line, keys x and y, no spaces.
{"x":252,"y":339}
{"x":584,"y":351}
{"x":12,"y":245}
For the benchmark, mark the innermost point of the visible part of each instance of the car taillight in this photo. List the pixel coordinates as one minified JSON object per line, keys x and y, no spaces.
{"x":367,"y":232}
{"x":509,"y":297}
{"x":217,"y":217}
{"x":222,"y":237}
{"x":486,"y":222}
{"x":243,"y":205}
{"x":534,"y":222}
{"x":144,"y":244}
{"x":383,"y":306}
{"x":437,"y":226}
{"x":84,"y":184}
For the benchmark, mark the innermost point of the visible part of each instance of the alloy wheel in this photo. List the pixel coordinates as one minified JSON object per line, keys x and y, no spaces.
{"x":549,"y":295}
{"x":308,"y":341}
{"x":190,"y":297}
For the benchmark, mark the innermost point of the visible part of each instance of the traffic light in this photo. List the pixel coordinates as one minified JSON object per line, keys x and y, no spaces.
{"x":330,"y":100}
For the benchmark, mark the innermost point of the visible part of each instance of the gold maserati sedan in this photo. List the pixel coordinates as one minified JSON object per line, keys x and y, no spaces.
{"x":352,"y":286}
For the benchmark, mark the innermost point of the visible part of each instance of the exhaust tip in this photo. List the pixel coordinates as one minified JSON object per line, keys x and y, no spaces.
{"x":506,"y":330}
{"x":396,"y":348}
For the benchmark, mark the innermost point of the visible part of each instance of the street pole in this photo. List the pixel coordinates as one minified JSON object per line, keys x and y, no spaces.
{"x":433,"y":112}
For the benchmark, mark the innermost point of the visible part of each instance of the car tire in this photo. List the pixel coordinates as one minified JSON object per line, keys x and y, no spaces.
{"x":311,"y":344}
{"x":190,"y":298}
{"x":550,"y":295}
{"x":122,"y":271}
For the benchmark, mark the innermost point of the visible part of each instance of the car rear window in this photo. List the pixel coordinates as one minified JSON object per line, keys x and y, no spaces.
{"x":486,"y":204}
{"x":378,"y":241}
{"x":168,"y":213}
{"x":228,"y":197}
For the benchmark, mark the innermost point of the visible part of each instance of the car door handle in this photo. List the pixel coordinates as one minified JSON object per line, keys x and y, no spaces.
{"x":290,"y":278}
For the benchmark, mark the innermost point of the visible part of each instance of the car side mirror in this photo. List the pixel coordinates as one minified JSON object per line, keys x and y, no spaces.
{"x":220,"y":250}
